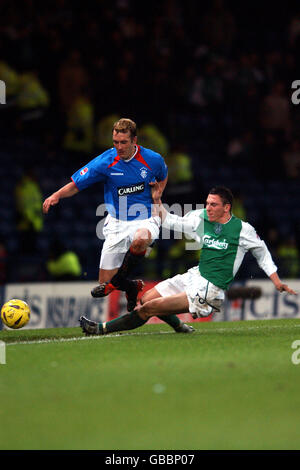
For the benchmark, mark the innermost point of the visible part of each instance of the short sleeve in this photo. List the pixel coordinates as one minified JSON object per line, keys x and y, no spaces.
{"x":91,"y":173}
{"x":162,"y":170}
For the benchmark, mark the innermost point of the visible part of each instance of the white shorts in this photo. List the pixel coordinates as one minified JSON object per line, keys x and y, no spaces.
{"x":203,"y":296}
{"x":119,"y":235}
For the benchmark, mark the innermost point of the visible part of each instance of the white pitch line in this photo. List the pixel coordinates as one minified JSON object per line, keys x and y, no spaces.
{"x":83,"y":338}
{"x":118,"y":335}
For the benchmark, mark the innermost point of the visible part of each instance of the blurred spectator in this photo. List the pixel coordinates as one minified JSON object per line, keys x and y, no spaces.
{"x":11,"y":79}
{"x":275,"y":111}
{"x":249,"y":72}
{"x":32,"y":103}
{"x":181,"y":187}
{"x":291,"y":159}
{"x":294,"y":29}
{"x":196,"y":92}
{"x":178,"y":258}
{"x":12,"y":85}
{"x":32,"y":97}
{"x":29,"y":200}
{"x":239,"y":209}
{"x":273,"y":241}
{"x":274,"y":66}
{"x":241,"y":150}
{"x":3,"y":261}
{"x":103,"y":132}
{"x":150,"y":136}
{"x":72,"y":80}
{"x":219,"y":27}
{"x":269,"y":157}
{"x":289,"y":257}
{"x":212,"y":85}
{"x":206,"y":94}
{"x":79,"y":136}
{"x":63,"y":264}
{"x":249,"y":112}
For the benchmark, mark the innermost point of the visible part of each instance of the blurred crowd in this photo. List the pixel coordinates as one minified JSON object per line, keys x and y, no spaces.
{"x":209,"y":84}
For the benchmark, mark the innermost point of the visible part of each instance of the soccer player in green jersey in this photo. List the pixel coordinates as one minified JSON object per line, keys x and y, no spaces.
{"x":225,"y":240}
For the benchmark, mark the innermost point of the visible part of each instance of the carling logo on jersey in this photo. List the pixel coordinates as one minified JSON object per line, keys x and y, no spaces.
{"x":135,"y":188}
{"x":84,"y":171}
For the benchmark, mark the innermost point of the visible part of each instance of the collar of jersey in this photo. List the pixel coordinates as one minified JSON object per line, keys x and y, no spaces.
{"x":128,"y":160}
{"x":228,"y":220}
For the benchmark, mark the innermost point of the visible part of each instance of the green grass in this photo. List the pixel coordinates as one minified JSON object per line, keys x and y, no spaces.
{"x":229,"y":385}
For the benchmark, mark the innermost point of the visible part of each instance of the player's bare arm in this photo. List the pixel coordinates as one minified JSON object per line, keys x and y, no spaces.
{"x":156,"y":192}
{"x":280,"y":286}
{"x":68,"y":190}
{"x":161,"y":185}
{"x":157,"y":208}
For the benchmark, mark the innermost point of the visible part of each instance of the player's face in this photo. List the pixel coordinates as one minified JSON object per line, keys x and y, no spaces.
{"x":216,"y":210}
{"x":124,"y":144}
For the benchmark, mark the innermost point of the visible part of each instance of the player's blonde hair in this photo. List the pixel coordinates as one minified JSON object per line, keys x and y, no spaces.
{"x":125,"y":125}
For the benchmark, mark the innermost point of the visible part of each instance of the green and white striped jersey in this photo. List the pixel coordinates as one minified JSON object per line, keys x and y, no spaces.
{"x":223,"y":246}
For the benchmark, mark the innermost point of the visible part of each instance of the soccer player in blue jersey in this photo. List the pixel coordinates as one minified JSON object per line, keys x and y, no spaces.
{"x":127,"y":171}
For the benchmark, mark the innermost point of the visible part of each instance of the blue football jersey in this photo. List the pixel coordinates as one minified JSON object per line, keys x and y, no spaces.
{"x":127,"y":193}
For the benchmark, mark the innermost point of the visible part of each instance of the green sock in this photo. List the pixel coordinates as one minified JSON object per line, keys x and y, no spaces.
{"x":172,"y":320}
{"x":129,"y":321}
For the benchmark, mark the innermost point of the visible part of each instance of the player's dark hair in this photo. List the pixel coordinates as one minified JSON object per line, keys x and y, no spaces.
{"x":125,"y":125}
{"x":224,"y":193}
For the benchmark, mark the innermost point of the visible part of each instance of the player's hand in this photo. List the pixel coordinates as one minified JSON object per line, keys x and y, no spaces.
{"x":155,"y":192}
{"x":50,"y":201}
{"x":285,"y":288}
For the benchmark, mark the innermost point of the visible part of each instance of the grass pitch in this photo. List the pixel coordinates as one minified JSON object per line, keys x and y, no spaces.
{"x":228,"y":386}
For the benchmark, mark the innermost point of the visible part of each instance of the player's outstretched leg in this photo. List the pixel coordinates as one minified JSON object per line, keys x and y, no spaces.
{"x":172,"y":320}
{"x":129,"y":321}
{"x":181,"y":328}
{"x":131,"y":259}
{"x":134,"y":256}
{"x":130,"y":287}
{"x":132,"y":292}
{"x":117,"y":278}
{"x":89,"y":327}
